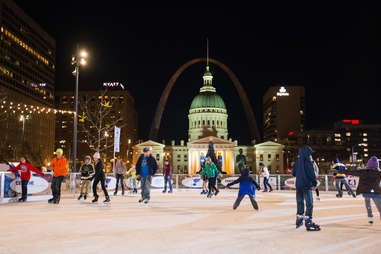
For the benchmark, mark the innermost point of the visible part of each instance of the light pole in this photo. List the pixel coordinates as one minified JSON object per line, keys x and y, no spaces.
{"x":77,"y":60}
{"x":106,"y":136}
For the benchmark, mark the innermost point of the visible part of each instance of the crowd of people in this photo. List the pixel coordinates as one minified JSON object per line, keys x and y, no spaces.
{"x":305,"y":170}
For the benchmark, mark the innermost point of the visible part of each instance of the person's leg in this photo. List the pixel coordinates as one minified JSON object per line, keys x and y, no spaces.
{"x":134,"y":185}
{"x":170,"y":184}
{"x":82,"y":187}
{"x":210,"y":186}
{"x":348,"y":188}
{"x":237,"y":202}
{"x":117,"y":183}
{"x":377,"y":201}
{"x":143,"y":188}
{"x":59,"y":183}
{"x":309,"y":203}
{"x":53,"y":186}
{"x":148,"y":187}
{"x":103,"y":185}
{"x":268,"y":184}
{"x":122,"y":183}
{"x":165,"y":183}
{"x":340,"y":191}
{"x":368,"y":207}
{"x":299,"y":202}
{"x":24,"y":189}
{"x":264,"y":184}
{"x":95,"y":183}
{"x":253,"y":202}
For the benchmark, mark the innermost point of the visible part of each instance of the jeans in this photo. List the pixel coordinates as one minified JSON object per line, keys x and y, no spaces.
{"x":146,"y":187}
{"x":211,"y":185}
{"x":119,"y":177}
{"x":96,"y":181}
{"x":347,"y":187}
{"x":266,"y":183}
{"x":168,"y":179}
{"x":376,"y":200}
{"x":24,"y":189}
{"x":56,"y":186}
{"x":84,"y":186}
{"x":301,"y":196}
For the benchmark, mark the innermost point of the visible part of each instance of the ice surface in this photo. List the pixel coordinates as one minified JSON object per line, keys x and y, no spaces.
{"x":186,"y":222}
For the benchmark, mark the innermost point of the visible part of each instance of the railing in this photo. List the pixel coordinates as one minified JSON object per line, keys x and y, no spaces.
{"x":10,"y":184}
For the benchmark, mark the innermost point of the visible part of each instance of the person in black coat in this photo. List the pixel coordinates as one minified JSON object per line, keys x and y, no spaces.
{"x":146,"y":167}
{"x":99,"y":176}
{"x":369,"y":185}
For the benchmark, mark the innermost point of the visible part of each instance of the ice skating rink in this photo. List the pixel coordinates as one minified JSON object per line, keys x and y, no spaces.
{"x":186,"y":222}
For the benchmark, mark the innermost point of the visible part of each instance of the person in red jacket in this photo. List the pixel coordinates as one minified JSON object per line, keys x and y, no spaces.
{"x":167,"y":172}
{"x":24,"y":169}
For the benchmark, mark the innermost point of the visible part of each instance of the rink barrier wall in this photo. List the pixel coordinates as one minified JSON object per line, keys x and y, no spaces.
{"x":71,"y":183}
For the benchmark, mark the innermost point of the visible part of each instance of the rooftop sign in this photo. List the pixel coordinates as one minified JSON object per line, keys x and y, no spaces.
{"x":351,"y":121}
{"x":282,"y":92}
{"x":113,"y":84}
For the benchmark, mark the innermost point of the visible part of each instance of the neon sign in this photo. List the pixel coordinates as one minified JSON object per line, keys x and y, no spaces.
{"x":351,"y":121}
{"x":282,"y":92}
{"x":38,"y":84}
{"x":113,"y":84}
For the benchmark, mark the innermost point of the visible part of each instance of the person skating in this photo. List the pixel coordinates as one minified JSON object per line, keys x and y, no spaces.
{"x":369,"y":185}
{"x":266,"y":176}
{"x":99,"y":176}
{"x":59,"y":167}
{"x":316,"y":169}
{"x":167,"y":172}
{"x":24,"y":167}
{"x":210,"y":170}
{"x":246,"y":187}
{"x":146,"y":167}
{"x":120,"y":171}
{"x":87,"y":171}
{"x":339,"y":172}
{"x":303,"y":170}
{"x":132,"y":172}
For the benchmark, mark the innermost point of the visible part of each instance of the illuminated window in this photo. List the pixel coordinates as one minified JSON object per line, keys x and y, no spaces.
{"x":365,"y":134}
{"x":301,"y":112}
{"x":365,"y":144}
{"x":348,"y":134}
{"x":337,"y":139}
{"x":364,"y":139}
{"x":261,"y":157}
{"x":365,"y":155}
{"x":337,"y":135}
{"x":274,"y":98}
{"x":365,"y":149}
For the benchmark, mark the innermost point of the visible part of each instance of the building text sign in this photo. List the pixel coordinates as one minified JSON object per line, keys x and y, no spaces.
{"x":282,"y":92}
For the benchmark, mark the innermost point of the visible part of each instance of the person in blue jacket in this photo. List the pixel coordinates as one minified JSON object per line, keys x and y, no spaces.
{"x":304,"y":172}
{"x":246,"y":187}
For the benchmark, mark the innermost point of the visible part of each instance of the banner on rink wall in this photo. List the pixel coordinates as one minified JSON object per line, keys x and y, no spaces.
{"x":291,"y":183}
{"x":35,"y":185}
{"x":110,"y":183}
{"x":272,"y":182}
{"x":353,"y":181}
{"x":228,"y":180}
{"x":157,"y":182}
{"x":192,"y":182}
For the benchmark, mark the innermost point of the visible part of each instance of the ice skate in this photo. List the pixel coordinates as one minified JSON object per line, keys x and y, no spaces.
{"x":85,"y":197}
{"x":115,"y":193}
{"x":370,"y":220}
{"x":217,"y":191}
{"x":311,"y":226}
{"x":299,"y":221}
{"x":95,"y":200}
{"x":57,"y":200}
{"x":51,"y":200}
{"x":107,"y":200}
{"x":164,"y":191}
{"x":339,"y":196}
{"x":140,"y":200}
{"x":146,"y":201}
{"x":123,"y":193}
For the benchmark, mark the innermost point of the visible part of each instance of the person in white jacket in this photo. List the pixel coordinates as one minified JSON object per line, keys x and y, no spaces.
{"x":266,"y":176}
{"x":316,"y":169}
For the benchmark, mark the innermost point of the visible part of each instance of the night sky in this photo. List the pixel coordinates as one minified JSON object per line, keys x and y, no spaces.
{"x":334,"y":51}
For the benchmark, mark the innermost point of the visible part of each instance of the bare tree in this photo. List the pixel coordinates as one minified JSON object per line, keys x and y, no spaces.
{"x":97,"y":119}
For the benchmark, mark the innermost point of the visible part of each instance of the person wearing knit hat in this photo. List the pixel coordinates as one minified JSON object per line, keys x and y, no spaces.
{"x":87,"y":171}
{"x":340,"y":178}
{"x":369,"y":185}
{"x":59,"y":167}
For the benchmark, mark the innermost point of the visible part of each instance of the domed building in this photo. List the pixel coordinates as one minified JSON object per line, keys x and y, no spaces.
{"x":207,"y":114}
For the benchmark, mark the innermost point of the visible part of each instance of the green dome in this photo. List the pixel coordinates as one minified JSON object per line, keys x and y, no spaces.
{"x":207,"y":100}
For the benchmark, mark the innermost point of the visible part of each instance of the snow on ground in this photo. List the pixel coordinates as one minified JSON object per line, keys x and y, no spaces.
{"x":186,"y":222}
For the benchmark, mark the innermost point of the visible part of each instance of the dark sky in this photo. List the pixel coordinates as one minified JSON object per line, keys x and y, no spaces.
{"x":334,"y":51}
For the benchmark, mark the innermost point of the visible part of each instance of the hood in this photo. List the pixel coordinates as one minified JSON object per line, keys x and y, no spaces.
{"x":373,"y":163}
{"x":305,"y":152}
{"x":245,"y":172}
{"x":336,"y":160}
{"x":89,"y":158}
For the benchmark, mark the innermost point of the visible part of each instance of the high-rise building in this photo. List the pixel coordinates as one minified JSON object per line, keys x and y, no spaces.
{"x":118,"y":109}
{"x":284,"y":112}
{"x":27,"y":78}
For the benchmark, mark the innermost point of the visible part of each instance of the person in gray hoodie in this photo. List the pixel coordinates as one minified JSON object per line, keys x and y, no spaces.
{"x":120,"y":170}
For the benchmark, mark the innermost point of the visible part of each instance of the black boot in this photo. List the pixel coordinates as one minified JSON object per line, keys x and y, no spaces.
{"x":95,"y":199}
{"x":122,"y":192}
{"x":57,"y":200}
{"x":310,"y":226}
{"x":85,"y":197}
{"x":107,"y":199}
{"x":299,"y":221}
{"x":80,"y":196}
{"x":51,"y":200}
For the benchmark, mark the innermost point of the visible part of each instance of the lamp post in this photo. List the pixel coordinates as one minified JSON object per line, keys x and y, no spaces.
{"x":106,"y":136}
{"x":77,"y":60}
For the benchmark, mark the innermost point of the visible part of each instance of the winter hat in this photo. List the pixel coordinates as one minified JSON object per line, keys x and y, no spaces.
{"x":59,"y":150}
{"x":261,"y":164}
{"x":145,"y":149}
{"x":88,"y":157}
{"x":97,"y":155}
{"x":373,"y":162}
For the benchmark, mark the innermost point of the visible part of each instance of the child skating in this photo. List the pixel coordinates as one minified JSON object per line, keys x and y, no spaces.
{"x":210,"y":170}
{"x":25,"y":168}
{"x":87,"y":171}
{"x":305,"y":175}
{"x":339,"y":170}
{"x":369,"y":185}
{"x":246,"y":187}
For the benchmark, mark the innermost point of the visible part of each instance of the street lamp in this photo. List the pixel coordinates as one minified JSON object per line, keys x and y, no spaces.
{"x":77,"y":60}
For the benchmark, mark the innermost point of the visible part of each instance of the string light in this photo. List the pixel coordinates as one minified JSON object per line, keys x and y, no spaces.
{"x":11,"y":107}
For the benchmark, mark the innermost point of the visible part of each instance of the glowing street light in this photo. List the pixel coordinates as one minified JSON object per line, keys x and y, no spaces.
{"x":77,"y":60}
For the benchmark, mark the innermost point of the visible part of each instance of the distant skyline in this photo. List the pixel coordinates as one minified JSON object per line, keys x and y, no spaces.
{"x":333,"y":52}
